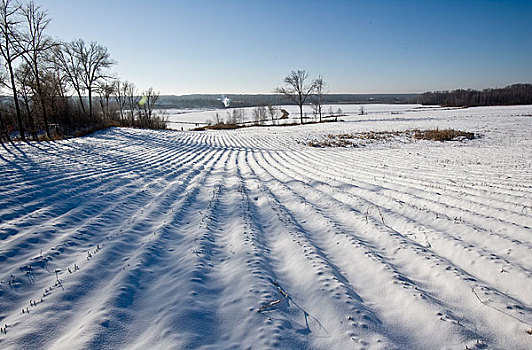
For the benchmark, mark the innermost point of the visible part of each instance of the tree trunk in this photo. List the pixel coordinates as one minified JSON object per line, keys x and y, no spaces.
{"x":4,"y":127}
{"x":81,"y":103}
{"x":90,"y":104}
{"x":30,"y":117}
{"x":108,"y":115}
{"x":301,"y":112}
{"x":17,"y":107}
{"x":102,"y":107}
{"x":43,"y":105}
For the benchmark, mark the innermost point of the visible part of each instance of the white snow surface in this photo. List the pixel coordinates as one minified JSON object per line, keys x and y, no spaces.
{"x":250,"y":238}
{"x":191,"y":118}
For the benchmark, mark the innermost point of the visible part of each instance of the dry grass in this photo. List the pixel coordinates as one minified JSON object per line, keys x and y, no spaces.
{"x":443,"y":135}
{"x":221,"y":126}
{"x":332,"y":143}
{"x":362,"y":138}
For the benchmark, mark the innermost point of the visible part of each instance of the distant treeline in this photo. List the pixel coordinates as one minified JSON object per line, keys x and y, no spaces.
{"x":517,"y":94}
{"x":240,"y":101}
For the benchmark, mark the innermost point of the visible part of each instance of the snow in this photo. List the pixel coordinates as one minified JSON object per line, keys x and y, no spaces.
{"x":191,"y":118}
{"x":250,"y":238}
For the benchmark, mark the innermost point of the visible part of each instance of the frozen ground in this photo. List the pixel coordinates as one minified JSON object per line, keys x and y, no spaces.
{"x":192,"y":118}
{"x":251,"y":239}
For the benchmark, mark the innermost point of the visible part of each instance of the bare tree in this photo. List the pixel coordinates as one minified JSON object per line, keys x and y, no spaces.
{"x":239,"y":114}
{"x":65,"y":58}
{"x":85,"y":65}
{"x":296,"y":90}
{"x":259,"y":115}
{"x":235,"y":116}
{"x":320,"y":86}
{"x":42,"y":75}
{"x":105,"y":91}
{"x":230,"y":119}
{"x":217,"y":119}
{"x":272,"y":111}
{"x":147,"y":103}
{"x":33,"y":44}
{"x":25,"y":86}
{"x":120,"y":89}
{"x":54,"y":86}
{"x":94,"y":59}
{"x":9,"y":23}
{"x":132,"y":100}
{"x":4,"y":130}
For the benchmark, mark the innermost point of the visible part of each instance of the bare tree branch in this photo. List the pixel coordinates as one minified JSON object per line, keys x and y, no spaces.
{"x":296,"y":90}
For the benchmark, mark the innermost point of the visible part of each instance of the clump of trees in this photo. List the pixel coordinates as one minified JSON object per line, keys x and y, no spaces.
{"x":516,"y":94}
{"x":260,"y":115}
{"x":317,"y":104}
{"x":235,"y":116}
{"x":298,"y":89}
{"x":60,"y":88}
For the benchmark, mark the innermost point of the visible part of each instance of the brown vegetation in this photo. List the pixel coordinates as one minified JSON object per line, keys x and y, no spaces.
{"x":443,"y":135}
{"x":362,"y":138}
{"x":219,"y":126}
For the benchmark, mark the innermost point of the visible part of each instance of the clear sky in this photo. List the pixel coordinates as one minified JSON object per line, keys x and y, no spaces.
{"x":246,"y":46}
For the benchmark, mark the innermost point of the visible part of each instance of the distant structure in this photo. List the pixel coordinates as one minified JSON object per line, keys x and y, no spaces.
{"x":285,"y":114}
{"x":226,"y":101}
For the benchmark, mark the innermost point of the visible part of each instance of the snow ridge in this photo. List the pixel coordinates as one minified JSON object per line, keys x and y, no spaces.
{"x":250,"y":239}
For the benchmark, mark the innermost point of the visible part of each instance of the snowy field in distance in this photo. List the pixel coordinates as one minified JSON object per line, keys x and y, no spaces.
{"x":250,"y":238}
{"x":191,"y":118}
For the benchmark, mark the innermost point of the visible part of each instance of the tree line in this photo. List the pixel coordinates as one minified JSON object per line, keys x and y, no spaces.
{"x":517,"y":94}
{"x":214,"y":101}
{"x":61,"y":88}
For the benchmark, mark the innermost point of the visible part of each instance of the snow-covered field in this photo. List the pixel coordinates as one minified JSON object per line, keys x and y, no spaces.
{"x":187,"y":119}
{"x":251,"y":239}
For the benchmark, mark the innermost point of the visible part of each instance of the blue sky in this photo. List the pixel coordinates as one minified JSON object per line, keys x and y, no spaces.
{"x":184,"y":47}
